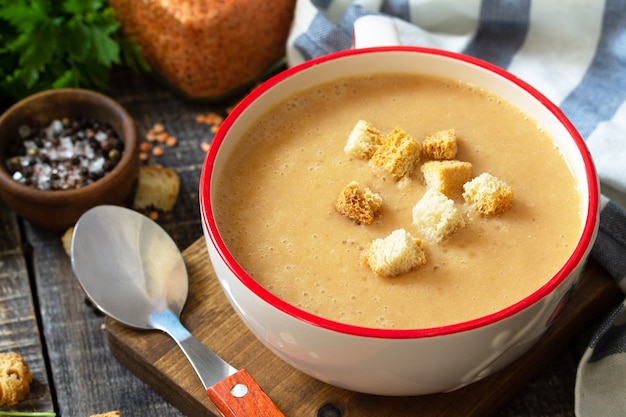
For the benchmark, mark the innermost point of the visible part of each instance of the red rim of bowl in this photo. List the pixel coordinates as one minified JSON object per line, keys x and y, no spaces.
{"x":577,"y":256}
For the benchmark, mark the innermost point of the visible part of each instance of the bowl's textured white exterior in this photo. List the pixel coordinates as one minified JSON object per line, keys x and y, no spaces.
{"x":437,"y":362}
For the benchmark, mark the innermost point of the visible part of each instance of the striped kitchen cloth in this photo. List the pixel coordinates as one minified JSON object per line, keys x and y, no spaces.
{"x":574,"y":51}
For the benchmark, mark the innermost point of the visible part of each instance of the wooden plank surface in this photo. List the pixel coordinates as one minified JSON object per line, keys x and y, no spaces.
{"x":154,"y":358}
{"x":19,"y":329}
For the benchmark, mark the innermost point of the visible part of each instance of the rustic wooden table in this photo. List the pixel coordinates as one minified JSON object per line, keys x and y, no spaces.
{"x":45,"y":317}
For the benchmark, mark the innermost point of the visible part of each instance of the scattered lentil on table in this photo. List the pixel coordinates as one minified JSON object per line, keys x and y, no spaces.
{"x":155,"y":140}
{"x":214,"y":120}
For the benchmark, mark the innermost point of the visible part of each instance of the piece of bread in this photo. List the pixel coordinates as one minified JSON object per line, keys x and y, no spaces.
{"x":15,"y":378}
{"x":488,"y":195}
{"x":157,"y":187}
{"x":395,"y":254}
{"x":447,"y":176}
{"x":109,"y":414}
{"x":358,"y":204}
{"x":440,"y":145}
{"x":363,"y":140}
{"x":398,"y":154}
{"x":66,"y":240}
{"x":436,"y":216}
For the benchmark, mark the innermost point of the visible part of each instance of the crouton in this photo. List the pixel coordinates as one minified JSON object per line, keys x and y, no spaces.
{"x":440,"y":145}
{"x":15,"y":378}
{"x":447,"y":176}
{"x":66,"y":240}
{"x":398,"y":154}
{"x":395,"y":254}
{"x":157,"y":187}
{"x":363,"y":140}
{"x":358,"y":204}
{"x":436,"y":216}
{"x":109,"y":414}
{"x":488,"y":195}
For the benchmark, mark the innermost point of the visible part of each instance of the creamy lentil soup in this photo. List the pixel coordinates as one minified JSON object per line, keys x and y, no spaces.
{"x":275,"y":207}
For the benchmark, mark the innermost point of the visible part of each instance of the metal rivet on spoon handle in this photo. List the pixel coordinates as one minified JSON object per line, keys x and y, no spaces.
{"x":132,"y":270}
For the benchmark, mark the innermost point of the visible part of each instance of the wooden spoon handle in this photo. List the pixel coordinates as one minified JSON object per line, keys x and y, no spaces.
{"x":238,"y":395}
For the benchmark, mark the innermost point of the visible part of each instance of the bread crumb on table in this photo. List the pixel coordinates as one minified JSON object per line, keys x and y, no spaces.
{"x":488,"y":195}
{"x":109,"y":414}
{"x":436,"y":216}
{"x":15,"y":378}
{"x":395,"y":254}
{"x":358,"y":203}
{"x":157,"y":187}
{"x":66,"y":240}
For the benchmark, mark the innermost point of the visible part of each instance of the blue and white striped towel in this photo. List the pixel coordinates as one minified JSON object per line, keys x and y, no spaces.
{"x":575,"y":53}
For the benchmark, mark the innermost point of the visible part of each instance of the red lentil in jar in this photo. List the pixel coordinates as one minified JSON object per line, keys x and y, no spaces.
{"x":207,"y":49}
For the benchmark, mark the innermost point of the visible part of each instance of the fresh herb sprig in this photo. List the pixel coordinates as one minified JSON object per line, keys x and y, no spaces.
{"x":60,"y":43}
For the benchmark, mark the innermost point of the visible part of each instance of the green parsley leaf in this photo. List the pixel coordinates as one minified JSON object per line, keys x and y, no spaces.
{"x":60,"y":43}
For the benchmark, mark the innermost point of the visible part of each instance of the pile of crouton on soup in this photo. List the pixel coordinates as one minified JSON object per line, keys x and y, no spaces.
{"x":435,"y":216}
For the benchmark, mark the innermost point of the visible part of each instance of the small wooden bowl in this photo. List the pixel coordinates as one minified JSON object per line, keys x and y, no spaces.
{"x":57,"y":210}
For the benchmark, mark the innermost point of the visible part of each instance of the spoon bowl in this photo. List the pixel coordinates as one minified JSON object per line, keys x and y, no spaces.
{"x":132,"y":270}
{"x":115,"y":248}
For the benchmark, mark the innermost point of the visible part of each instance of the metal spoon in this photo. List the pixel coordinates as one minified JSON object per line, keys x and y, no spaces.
{"x":132,"y":270}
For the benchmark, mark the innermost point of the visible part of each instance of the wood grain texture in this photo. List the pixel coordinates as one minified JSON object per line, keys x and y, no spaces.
{"x":19,"y":330}
{"x":154,"y":358}
{"x":248,"y":400}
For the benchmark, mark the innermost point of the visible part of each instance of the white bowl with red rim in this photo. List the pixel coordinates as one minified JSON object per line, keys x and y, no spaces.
{"x":384,"y":361}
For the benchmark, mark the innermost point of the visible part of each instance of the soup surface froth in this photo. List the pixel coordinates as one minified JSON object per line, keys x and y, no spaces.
{"x":274,"y":204}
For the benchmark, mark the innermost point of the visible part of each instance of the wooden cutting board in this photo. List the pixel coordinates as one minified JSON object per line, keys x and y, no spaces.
{"x":156,"y":359}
